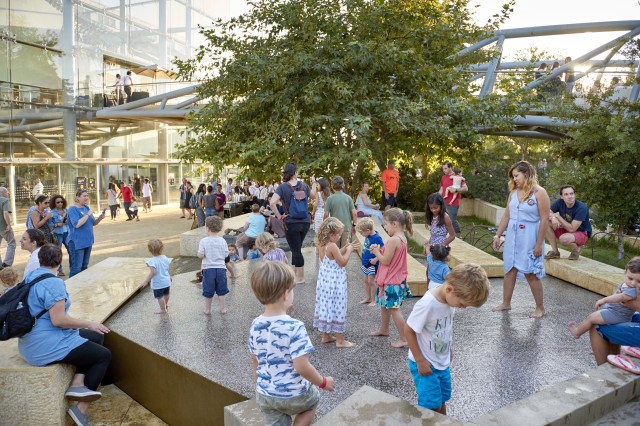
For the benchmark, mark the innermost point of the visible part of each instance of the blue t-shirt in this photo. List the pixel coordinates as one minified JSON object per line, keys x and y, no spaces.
{"x":161,"y":279}
{"x":437,"y":270}
{"x":46,"y":343}
{"x":58,"y":218}
{"x":374,"y":238}
{"x":276,"y":342}
{"x":81,"y":237}
{"x":257,"y":223}
{"x":579,"y":211}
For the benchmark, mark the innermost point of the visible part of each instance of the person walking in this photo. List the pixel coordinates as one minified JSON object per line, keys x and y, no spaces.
{"x":6,"y":231}
{"x":127,"y":195}
{"x":147,"y":189}
{"x":340,"y":206}
{"x":390,"y":184}
{"x":451,"y":200}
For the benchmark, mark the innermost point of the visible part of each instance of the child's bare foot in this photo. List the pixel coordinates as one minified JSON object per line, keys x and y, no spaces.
{"x":572,"y":329}
{"x":160,"y":311}
{"x":365,"y":301}
{"x":538,"y":313}
{"x":502,"y":307}
{"x":345,"y":344}
{"x":207,"y":312}
{"x":379,"y":333}
{"x":223,"y":311}
{"x":328,"y":339}
{"x":372,"y":304}
{"x":399,"y":344}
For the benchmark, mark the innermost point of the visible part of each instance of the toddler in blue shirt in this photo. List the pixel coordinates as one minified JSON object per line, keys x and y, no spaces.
{"x":437,"y":265}
{"x":159,"y":275}
{"x":369,"y":265}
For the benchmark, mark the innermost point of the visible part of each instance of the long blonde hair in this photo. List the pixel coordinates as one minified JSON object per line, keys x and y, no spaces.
{"x":402,"y":217}
{"x":330,"y":226}
{"x":530,"y":182}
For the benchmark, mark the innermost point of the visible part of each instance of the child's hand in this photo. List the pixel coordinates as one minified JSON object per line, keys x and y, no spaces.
{"x":374,"y":248}
{"x":380,"y":292}
{"x":355,"y":245}
{"x":424,"y":368}
{"x":599,"y":303}
{"x":331,"y":383}
{"x":373,"y":261}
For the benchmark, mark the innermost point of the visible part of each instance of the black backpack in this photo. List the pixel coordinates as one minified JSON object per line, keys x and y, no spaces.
{"x":15,"y":318}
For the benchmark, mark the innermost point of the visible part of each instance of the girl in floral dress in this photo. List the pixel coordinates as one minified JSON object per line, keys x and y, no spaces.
{"x":331,"y":291}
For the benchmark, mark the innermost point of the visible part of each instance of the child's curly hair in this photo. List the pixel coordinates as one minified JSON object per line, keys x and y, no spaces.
{"x":8,"y":276}
{"x":364,"y":225}
{"x":266,"y":242}
{"x":330,"y":226}
{"x":439,"y":252}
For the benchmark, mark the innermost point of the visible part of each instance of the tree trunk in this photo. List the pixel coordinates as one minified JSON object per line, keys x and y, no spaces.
{"x":620,"y":242}
{"x":355,"y":184}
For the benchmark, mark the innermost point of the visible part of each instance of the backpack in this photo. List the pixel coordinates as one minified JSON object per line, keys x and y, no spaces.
{"x":299,"y":204}
{"x":193,"y":201}
{"x":15,"y":318}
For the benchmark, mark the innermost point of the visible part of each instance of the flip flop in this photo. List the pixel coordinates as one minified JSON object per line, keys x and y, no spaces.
{"x":624,"y":362}
{"x":631,"y":351}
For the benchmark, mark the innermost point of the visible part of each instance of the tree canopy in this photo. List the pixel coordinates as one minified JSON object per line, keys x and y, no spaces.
{"x":336,"y":85}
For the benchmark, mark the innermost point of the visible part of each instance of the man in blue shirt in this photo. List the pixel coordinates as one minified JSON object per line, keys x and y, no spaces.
{"x":569,"y":224}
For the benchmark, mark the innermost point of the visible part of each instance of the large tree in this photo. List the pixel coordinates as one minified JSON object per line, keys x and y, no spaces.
{"x":336,"y":85}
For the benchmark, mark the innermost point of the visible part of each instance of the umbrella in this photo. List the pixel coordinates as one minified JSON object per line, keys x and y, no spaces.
{"x":155,"y":71}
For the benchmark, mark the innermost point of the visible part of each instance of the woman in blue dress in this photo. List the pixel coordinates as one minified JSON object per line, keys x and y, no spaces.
{"x":527,"y":207}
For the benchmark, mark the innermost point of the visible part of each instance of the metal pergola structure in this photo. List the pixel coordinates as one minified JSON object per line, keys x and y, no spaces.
{"x":43,"y":124}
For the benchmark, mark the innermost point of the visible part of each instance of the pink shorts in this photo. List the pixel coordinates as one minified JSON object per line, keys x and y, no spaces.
{"x":581,"y":237}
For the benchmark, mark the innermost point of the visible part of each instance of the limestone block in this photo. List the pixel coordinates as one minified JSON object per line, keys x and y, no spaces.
{"x":369,"y":406}
{"x":488,"y":211}
{"x":246,"y":413}
{"x":466,"y":207}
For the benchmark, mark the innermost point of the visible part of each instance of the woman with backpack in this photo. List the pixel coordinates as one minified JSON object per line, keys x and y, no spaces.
{"x":59,"y":338}
{"x":294,"y":194}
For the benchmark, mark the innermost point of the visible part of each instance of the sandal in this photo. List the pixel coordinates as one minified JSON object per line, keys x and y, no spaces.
{"x":575,"y":255}
{"x":552,"y":255}
{"x":624,"y":362}
{"x":631,"y":351}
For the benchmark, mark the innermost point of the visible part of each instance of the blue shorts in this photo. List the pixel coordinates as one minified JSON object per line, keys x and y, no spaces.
{"x":626,"y":333}
{"x":214,"y":281}
{"x":161,"y":292}
{"x":433,"y":390}
{"x":369,"y":269}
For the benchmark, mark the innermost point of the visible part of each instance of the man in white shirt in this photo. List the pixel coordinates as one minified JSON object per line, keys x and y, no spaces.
{"x":127,"y":85}
{"x":147,"y":189}
{"x":38,"y":188}
{"x":253,"y":190}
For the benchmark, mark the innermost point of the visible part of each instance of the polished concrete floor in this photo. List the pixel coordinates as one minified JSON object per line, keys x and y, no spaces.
{"x":498,"y":358}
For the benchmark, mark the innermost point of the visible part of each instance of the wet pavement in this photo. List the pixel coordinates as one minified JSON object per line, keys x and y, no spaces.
{"x":498,"y":358}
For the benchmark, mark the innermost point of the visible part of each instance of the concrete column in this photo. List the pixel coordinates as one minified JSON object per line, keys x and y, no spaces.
{"x":98,"y":188}
{"x":124,"y":39}
{"x":162,"y":29}
{"x":188,"y":25}
{"x":162,"y":186}
{"x":67,"y":43}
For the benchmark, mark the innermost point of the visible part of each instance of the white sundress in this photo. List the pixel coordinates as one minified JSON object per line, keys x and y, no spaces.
{"x":331,"y":298}
{"x":319,"y":217}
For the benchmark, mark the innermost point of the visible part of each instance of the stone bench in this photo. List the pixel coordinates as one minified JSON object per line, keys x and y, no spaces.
{"x":463,"y":252}
{"x":35,"y":395}
{"x":417,"y":278}
{"x":189,"y":240}
{"x":585,"y":272}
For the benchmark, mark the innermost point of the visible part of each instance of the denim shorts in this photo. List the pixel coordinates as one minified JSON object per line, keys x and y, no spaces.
{"x":214,"y":281}
{"x":161,"y":292}
{"x":626,"y":333}
{"x":278,"y":411}
{"x":433,"y":390}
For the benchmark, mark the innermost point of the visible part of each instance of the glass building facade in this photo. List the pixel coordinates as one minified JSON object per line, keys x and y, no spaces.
{"x":58,"y":66}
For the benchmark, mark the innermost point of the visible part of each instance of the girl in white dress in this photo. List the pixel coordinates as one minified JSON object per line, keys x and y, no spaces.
{"x":319,"y":192}
{"x":331,"y":291}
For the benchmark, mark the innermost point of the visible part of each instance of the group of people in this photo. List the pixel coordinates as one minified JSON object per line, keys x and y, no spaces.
{"x":556,"y":86}
{"x":286,"y":382}
{"x":198,"y":204}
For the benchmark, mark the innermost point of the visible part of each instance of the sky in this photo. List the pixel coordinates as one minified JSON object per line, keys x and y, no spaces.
{"x":531,"y":13}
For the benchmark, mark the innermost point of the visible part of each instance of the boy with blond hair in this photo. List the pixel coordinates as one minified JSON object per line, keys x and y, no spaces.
{"x":369,"y":265}
{"x":213,"y":250}
{"x":429,"y":332}
{"x":158,"y":274}
{"x":285,"y":379}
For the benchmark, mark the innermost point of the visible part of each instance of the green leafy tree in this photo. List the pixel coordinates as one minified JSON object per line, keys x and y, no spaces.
{"x":338,"y":85}
{"x":602,"y":159}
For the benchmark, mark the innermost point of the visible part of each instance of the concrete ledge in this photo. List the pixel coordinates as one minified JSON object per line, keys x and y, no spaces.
{"x":35,"y":395}
{"x":369,"y":406}
{"x":586,"y":273}
{"x":463,"y":252}
{"x":577,"y":401}
{"x":189,"y":240}
{"x":417,"y":277}
{"x":488,"y":211}
{"x":246,"y":413}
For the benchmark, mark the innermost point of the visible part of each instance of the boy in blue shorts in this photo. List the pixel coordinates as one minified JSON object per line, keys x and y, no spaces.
{"x":369,"y":261}
{"x":429,"y":331}
{"x":286,"y":382}
{"x":213,"y":250}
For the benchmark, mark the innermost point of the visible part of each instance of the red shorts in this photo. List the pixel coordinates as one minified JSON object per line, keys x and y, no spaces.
{"x":581,"y":237}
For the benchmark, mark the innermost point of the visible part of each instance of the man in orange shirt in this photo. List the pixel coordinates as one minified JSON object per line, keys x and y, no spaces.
{"x":390,"y":183}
